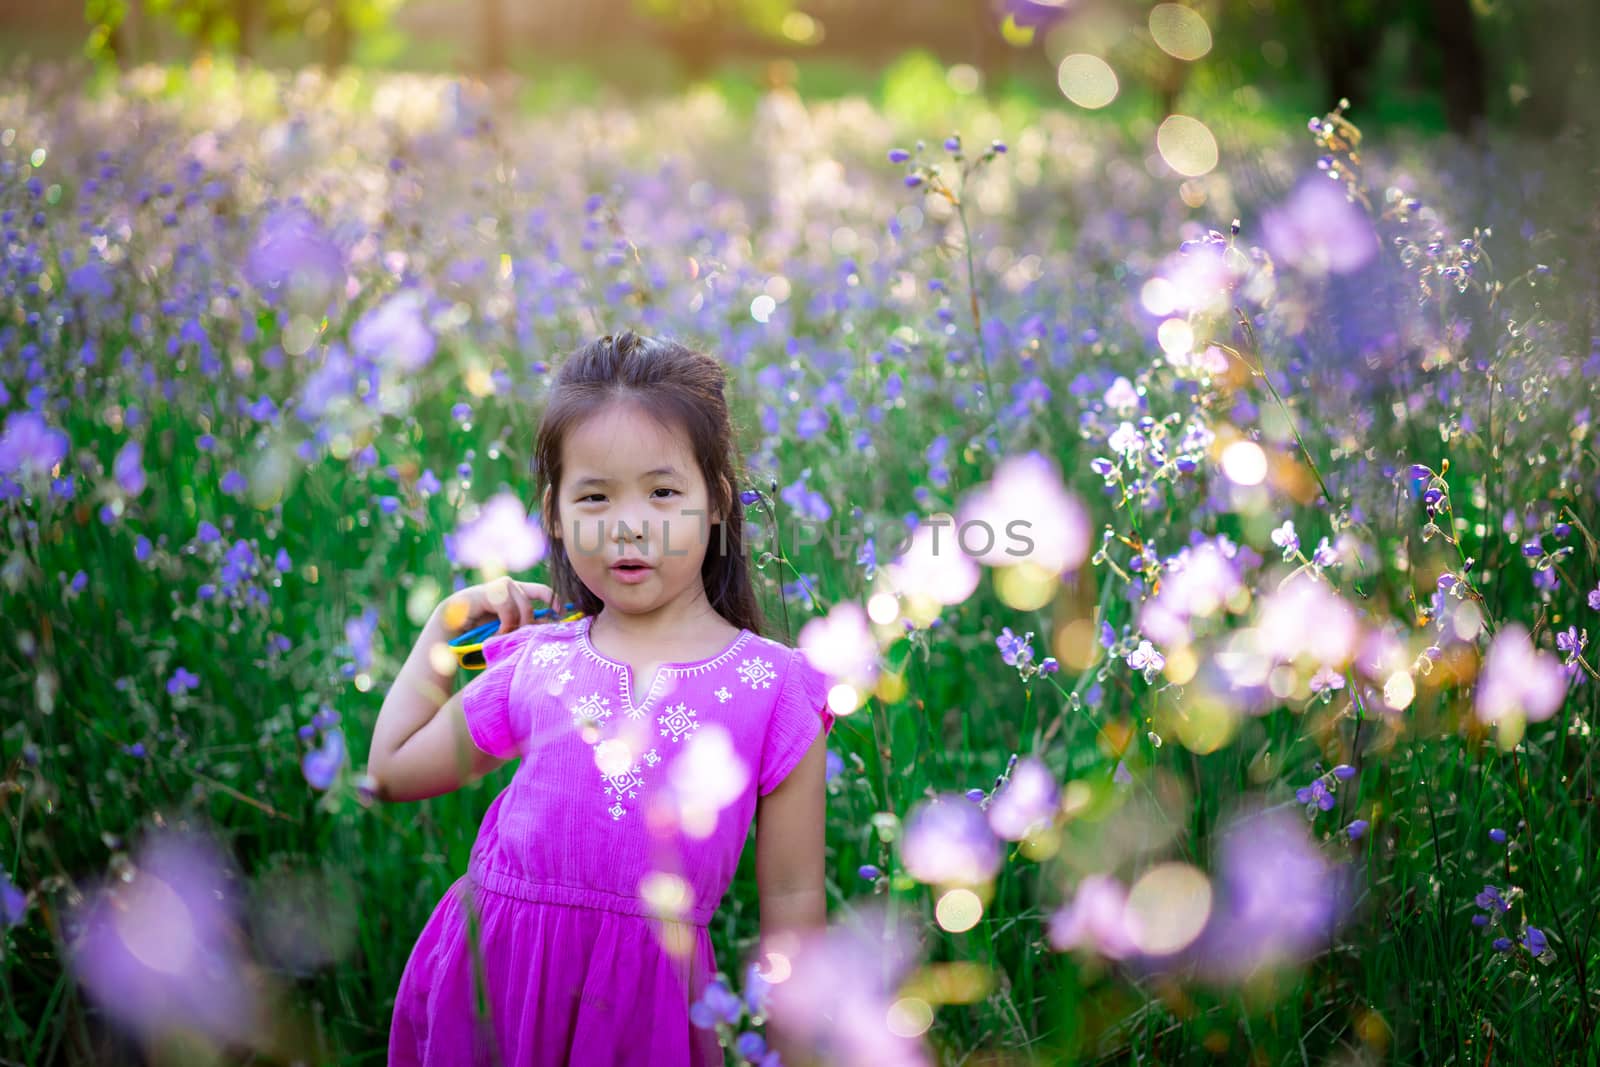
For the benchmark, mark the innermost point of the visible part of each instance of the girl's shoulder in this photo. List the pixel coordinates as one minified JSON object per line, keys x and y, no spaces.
{"x":772,"y":658}
{"x":528,"y":638}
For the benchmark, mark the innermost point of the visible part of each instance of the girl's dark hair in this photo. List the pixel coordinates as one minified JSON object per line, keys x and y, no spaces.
{"x":679,"y":387}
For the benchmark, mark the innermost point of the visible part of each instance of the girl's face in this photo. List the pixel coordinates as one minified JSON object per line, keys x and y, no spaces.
{"x":635,"y":514}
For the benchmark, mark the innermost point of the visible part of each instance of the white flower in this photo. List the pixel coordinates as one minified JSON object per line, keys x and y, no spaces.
{"x":1125,"y":440}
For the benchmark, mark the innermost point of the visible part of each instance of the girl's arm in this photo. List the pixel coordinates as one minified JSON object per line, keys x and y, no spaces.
{"x":790,"y":835}
{"x":420,"y":744}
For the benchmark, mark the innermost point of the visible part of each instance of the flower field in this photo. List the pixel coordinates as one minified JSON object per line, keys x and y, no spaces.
{"x":1266,"y":738}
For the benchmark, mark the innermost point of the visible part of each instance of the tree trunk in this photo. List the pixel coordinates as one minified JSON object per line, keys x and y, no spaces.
{"x":1346,"y":51}
{"x":1464,"y":94}
{"x":244,"y":13}
{"x":492,"y":24}
{"x":337,"y":52}
{"x":1561,"y":64}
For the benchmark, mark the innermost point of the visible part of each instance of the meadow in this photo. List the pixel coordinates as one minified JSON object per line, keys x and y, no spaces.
{"x":1274,"y":748}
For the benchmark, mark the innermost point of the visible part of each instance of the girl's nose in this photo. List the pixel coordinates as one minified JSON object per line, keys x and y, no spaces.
{"x":631,"y":533}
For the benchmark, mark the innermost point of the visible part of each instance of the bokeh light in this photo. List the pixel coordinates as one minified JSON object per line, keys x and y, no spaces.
{"x":1187,"y":146}
{"x":1180,"y":31}
{"x":1087,"y":81}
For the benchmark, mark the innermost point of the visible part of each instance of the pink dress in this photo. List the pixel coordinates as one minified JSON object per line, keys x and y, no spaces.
{"x":598,"y":867}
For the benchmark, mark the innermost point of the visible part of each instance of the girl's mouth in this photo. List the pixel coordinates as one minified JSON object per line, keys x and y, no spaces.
{"x":631,"y":570}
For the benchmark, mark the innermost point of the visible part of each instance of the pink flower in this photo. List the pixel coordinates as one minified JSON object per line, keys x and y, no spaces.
{"x":1519,"y":679}
{"x":1097,"y":919}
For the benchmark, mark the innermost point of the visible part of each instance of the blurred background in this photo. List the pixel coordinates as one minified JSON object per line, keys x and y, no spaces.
{"x":281,"y":288}
{"x":1432,"y":63}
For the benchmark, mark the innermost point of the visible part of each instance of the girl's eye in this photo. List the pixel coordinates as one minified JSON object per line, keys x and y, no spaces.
{"x":664,"y":489}
{"x":591,"y":496}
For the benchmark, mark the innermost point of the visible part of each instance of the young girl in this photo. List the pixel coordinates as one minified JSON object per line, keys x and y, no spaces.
{"x":651,"y":731}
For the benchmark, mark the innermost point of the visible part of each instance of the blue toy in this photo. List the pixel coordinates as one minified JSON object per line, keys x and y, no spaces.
{"x":468,"y":646}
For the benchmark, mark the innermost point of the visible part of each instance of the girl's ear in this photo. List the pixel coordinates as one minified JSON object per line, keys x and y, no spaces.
{"x":545,"y":505}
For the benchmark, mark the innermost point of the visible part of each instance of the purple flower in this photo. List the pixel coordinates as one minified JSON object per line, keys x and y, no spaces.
{"x":182,"y":680}
{"x":947,"y":841}
{"x":1480,"y":919}
{"x":1490,"y":899}
{"x":1319,"y":231}
{"x":1534,"y":941}
{"x":1498,"y":836}
{"x":1502,"y":944}
{"x":1146,"y":658}
{"x":128,"y":468}
{"x":162,"y":950}
{"x":321,"y":765}
{"x":1027,"y":802}
{"x":1356,"y":828}
{"x":750,"y":1045}
{"x":30,"y":447}
{"x":868,"y":872}
{"x":952,"y":144}
{"x":1316,"y":793}
{"x":394,"y":334}
{"x":898,"y":155}
{"x":717,"y":1004}
{"x":1344,"y":772}
{"x":1278,"y":898}
{"x":913,"y":180}
{"x":13,"y":902}
{"x":1014,"y":650}
{"x":1594,"y":599}
{"x":292,"y":257}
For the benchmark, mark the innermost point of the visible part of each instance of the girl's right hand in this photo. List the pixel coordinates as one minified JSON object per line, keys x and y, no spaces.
{"x":505,"y":597}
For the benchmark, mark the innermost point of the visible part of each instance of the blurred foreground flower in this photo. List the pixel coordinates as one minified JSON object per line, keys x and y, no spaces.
{"x":500,"y":539}
{"x":1519,"y":681}
{"x":1026,"y":803}
{"x":1095,"y":919}
{"x":948,"y":842}
{"x":1279,"y":899}
{"x":1025,"y":515}
{"x":839,"y":997}
{"x":1318,"y":230}
{"x":158,"y":947}
{"x":30,"y":448}
{"x":841,"y":645}
{"x":707,"y":778}
{"x":294,"y":262}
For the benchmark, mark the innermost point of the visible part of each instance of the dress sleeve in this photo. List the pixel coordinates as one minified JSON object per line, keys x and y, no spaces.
{"x":486,"y":701}
{"x":800,"y":714}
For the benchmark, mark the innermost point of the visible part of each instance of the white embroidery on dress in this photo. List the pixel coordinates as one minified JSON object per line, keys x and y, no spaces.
{"x":545,"y":655}
{"x":620,"y":786}
{"x":757,"y":673}
{"x":593,"y":708}
{"x":564,"y":677}
{"x":678,"y":722}
{"x":652,"y":757}
{"x":723,"y":694}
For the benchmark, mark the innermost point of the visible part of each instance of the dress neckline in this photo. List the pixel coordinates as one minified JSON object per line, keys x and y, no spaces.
{"x":681,"y":667}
